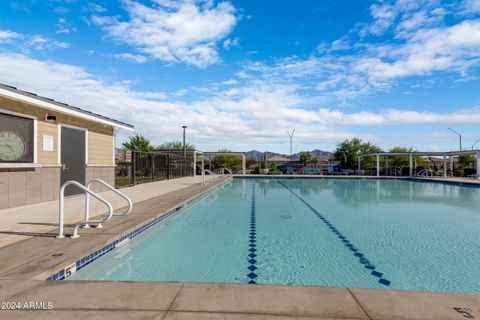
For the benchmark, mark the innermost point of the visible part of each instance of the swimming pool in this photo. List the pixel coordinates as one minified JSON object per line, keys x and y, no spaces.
{"x":396,"y":234}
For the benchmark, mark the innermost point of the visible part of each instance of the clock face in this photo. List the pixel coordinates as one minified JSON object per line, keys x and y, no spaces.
{"x":12,"y":146}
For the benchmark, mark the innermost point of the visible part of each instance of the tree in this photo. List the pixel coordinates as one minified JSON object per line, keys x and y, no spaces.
{"x":175,"y":145}
{"x":304,"y":157}
{"x":233,"y":162}
{"x":403,"y":161}
{"x":348,"y":151}
{"x":316,"y":161}
{"x":466,"y":161}
{"x":138,"y":143}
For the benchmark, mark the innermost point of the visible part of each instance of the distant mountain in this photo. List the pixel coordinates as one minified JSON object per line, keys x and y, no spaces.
{"x":254,"y":155}
{"x":258,"y":155}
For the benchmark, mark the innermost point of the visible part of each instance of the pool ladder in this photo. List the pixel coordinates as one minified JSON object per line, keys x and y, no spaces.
{"x":215,"y":176}
{"x":87,"y":223}
{"x":222,"y":171}
{"x":425,"y":173}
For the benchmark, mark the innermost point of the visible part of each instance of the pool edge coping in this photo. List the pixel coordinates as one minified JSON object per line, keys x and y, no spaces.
{"x":98,"y":251}
{"x":472,"y":182}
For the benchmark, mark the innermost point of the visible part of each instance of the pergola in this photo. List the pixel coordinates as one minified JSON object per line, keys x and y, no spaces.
{"x":218,"y":153}
{"x":413,"y":154}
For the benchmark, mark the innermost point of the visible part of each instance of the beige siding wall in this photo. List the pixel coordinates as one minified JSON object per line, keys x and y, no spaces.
{"x":100,"y":137}
{"x":49,"y":129}
{"x":100,"y":149}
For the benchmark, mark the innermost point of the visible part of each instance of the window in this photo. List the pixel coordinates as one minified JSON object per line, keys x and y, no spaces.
{"x":16,"y":139}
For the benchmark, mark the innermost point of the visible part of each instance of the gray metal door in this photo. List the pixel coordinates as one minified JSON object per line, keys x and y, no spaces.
{"x":73,"y":158}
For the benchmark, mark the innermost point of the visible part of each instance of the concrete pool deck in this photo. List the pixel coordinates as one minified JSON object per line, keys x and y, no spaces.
{"x":20,"y":223}
{"x":185,"y":301}
{"x":25,"y":264}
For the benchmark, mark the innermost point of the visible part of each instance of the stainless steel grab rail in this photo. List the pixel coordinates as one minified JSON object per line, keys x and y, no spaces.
{"x":61,"y":208}
{"x":87,"y":200}
{"x":215,"y":176}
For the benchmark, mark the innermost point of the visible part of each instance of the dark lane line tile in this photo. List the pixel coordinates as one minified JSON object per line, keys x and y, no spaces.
{"x":252,"y":242}
{"x":362,"y":259}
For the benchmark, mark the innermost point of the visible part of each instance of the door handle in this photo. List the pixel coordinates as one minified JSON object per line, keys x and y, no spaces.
{"x":64,"y":167}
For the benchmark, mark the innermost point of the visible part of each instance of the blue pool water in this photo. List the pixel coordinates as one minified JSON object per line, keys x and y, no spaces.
{"x":336,"y":232}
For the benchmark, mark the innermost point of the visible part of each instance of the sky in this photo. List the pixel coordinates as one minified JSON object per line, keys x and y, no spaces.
{"x":240,"y":74}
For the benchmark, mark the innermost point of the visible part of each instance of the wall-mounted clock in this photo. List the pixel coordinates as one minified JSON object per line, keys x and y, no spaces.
{"x":12,"y":146}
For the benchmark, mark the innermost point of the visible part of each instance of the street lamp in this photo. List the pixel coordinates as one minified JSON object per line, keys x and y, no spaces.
{"x":458,"y":135}
{"x":184,"y":145}
{"x":290,"y":135}
{"x":473,"y":145}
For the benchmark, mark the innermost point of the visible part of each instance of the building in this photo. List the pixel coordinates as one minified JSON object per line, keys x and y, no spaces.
{"x":278,"y":159}
{"x":44,"y":143}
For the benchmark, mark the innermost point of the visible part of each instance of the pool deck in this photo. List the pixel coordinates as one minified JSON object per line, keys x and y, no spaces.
{"x":170,"y":300}
{"x":24,"y":266}
{"x":41,"y":219}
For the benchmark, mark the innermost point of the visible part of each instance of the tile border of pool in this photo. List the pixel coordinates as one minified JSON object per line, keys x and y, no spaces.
{"x":466,"y":183}
{"x":86,"y":260}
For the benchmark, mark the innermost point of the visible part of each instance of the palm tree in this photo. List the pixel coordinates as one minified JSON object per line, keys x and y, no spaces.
{"x":305,"y":157}
{"x":138,"y":143}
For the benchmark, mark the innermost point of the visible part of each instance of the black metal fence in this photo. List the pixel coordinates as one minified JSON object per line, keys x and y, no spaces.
{"x":134,"y":167}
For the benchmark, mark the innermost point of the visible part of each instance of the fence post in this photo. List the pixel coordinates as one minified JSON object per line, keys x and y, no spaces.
{"x":153,"y":166}
{"x":134,"y":167}
{"x":168,"y":166}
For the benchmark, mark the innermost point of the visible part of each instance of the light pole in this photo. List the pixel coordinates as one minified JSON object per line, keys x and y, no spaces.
{"x":458,"y":135}
{"x":184,"y":152}
{"x":184,"y":145}
{"x":290,"y":135}
{"x":473,"y":145}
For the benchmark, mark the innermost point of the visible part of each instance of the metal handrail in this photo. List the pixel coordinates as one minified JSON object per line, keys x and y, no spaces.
{"x":87,"y":200}
{"x":228,"y":170}
{"x":425,"y":173}
{"x":61,"y":214}
{"x":210,"y":173}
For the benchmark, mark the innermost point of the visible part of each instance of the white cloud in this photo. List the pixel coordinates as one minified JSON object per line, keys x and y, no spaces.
{"x":131,"y":57}
{"x":253,"y":114}
{"x":181,"y":92}
{"x":404,"y":15}
{"x":229,"y":82}
{"x":39,"y":42}
{"x":455,"y":48}
{"x":340,"y":44}
{"x":173,"y":31}
{"x":64,"y":27}
{"x":96,"y":8}
{"x":469,"y":7}
{"x":230,"y":43}
{"x":7,"y":36}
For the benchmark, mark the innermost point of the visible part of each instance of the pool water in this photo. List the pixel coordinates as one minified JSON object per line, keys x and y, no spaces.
{"x":396,"y":234}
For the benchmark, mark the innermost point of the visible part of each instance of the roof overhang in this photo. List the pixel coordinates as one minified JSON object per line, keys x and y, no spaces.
{"x":220,"y":153}
{"x":424,"y":154}
{"x":32,"y":99}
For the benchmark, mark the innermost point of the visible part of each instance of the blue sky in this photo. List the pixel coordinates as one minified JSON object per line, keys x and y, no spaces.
{"x":240,"y":74}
